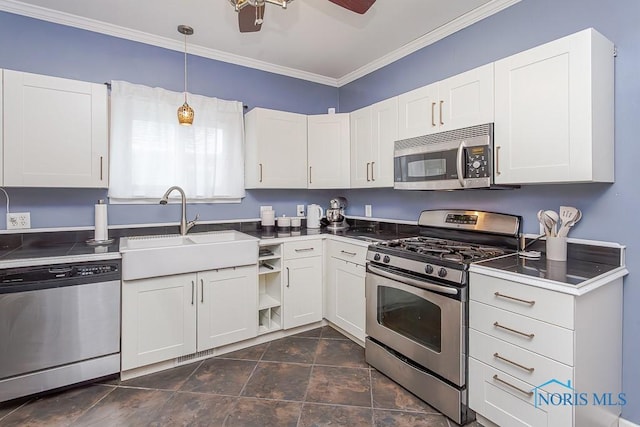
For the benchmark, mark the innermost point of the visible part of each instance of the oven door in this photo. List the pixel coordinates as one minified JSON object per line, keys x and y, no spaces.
{"x":423,"y":325}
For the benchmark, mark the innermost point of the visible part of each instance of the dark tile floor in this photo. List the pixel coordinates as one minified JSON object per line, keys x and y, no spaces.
{"x":317,"y":378}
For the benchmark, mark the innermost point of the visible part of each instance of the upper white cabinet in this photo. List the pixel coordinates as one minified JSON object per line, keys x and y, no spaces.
{"x":55,"y":132}
{"x":374,"y":129}
{"x":276,"y":149}
{"x":463,"y":100}
{"x":328,"y":150}
{"x":554,"y":112}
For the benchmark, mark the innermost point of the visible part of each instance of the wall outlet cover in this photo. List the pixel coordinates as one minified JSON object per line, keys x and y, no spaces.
{"x":18,"y":220}
{"x":265,"y":208}
{"x":300,"y":210}
{"x":367,"y":210}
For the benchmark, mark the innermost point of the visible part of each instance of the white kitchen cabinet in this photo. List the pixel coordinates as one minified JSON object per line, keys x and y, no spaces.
{"x":466,"y":99}
{"x":554,"y":112}
{"x":328,"y":150}
{"x":275,"y":149}
{"x":302,"y":292}
{"x":526,"y":341}
{"x":374,"y":129}
{"x":55,"y":132}
{"x":345,"y":287}
{"x":270,"y":288}
{"x":227,"y":301}
{"x":171,"y":316}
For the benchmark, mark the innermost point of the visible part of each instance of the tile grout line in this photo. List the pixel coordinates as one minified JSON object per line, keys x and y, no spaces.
{"x":313,"y":364}
{"x":113,"y":388}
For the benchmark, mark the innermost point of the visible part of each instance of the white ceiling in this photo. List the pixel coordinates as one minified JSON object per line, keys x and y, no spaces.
{"x":314,"y":40}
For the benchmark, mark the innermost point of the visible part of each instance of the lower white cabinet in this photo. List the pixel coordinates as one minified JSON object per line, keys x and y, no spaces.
{"x":345,"y":287}
{"x":172,"y":316}
{"x":302,"y":292}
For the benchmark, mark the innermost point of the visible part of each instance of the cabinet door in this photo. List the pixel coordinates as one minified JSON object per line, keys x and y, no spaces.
{"x":55,"y":132}
{"x":417,"y":112}
{"x":466,"y":99}
{"x":346,"y":296}
{"x":385,"y":134}
{"x":328,"y":150}
{"x":361,"y":147}
{"x":554,"y":112}
{"x":1,"y":127}
{"x":302,"y":291}
{"x":158,"y":319}
{"x":227,"y":306}
{"x":276,"y":149}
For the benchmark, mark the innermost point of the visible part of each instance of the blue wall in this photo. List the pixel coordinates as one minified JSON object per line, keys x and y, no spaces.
{"x":40,"y":47}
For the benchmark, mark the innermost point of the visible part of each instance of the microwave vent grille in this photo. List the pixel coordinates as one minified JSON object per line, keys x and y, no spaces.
{"x":447,"y":136}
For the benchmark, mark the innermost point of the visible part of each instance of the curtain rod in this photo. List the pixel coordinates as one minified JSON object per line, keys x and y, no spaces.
{"x":108,"y":85}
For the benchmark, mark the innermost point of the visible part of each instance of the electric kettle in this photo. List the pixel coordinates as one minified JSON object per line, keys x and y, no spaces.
{"x":314,"y":214}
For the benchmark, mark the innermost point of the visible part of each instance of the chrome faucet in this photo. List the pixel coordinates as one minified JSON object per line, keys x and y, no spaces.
{"x":184,"y":225}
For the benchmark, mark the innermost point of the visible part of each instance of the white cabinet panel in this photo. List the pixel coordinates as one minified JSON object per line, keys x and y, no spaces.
{"x":276,"y":149}
{"x":55,"y":132}
{"x":302,"y":292}
{"x":417,"y":112}
{"x":554,"y":112}
{"x":328,"y":151}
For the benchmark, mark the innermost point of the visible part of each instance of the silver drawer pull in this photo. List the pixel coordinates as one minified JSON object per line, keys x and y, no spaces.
{"x":348,"y":253}
{"x":499,"y":295}
{"x":497,"y":356}
{"x":527,"y":393}
{"x":304,"y":250}
{"x":498,"y":325}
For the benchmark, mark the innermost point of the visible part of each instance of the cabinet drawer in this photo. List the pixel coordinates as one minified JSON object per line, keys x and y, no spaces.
{"x":302,"y":249}
{"x":542,"y":304}
{"x":516,"y":361}
{"x":347,"y":252}
{"x":531,"y":334}
{"x":494,"y":395}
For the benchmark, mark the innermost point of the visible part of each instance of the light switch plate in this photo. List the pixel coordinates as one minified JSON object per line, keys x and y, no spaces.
{"x":18,"y":220}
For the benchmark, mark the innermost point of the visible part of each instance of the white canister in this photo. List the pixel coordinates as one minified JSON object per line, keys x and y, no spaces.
{"x":284,"y":223}
{"x":296,"y":222}
{"x":268,"y":218}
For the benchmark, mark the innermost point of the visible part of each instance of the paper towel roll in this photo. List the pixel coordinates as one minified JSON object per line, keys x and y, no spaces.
{"x":101,"y":232}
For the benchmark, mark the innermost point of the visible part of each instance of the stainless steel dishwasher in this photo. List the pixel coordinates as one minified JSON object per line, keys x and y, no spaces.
{"x":59,"y":325}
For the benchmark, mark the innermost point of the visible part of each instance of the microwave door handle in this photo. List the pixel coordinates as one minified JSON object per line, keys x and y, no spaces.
{"x":461,"y":148}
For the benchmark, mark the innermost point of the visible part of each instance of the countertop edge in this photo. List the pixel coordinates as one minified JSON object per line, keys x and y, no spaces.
{"x":31,"y":262}
{"x":278,"y":240}
{"x":585,"y":287}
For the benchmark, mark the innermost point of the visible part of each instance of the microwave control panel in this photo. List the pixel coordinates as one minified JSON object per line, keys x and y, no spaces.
{"x":477,"y":162}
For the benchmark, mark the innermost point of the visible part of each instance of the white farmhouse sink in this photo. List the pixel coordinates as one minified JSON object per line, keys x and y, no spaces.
{"x":163,"y":255}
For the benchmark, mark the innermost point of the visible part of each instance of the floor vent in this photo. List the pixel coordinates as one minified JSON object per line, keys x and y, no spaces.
{"x":190,"y":357}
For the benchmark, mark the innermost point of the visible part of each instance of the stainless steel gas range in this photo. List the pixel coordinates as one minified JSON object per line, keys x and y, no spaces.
{"x":417,"y":302}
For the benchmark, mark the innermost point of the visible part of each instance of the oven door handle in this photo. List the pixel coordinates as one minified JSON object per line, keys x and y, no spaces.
{"x":459,"y":170}
{"x":419,"y":283}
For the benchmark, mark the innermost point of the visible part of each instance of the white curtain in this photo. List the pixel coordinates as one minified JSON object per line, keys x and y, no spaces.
{"x":150,"y":151}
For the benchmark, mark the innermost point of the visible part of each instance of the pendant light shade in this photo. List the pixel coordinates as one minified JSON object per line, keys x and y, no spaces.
{"x":185,"y":112}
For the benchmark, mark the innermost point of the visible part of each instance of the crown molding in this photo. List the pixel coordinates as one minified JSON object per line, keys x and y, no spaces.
{"x":37,"y":12}
{"x":440,"y":33}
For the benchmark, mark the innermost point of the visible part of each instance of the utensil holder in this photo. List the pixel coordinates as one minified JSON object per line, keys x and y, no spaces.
{"x":556,"y":248}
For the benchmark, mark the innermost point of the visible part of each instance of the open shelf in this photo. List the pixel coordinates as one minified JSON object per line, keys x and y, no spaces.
{"x":269,"y":288}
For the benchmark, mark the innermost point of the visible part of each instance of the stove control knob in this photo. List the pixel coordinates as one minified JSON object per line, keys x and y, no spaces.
{"x":386,"y":259}
{"x":376,"y":257}
{"x":442,"y":272}
{"x":428,"y":269}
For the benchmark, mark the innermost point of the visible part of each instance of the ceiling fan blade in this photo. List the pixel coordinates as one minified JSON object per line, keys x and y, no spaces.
{"x":357,"y":6}
{"x":247,"y":18}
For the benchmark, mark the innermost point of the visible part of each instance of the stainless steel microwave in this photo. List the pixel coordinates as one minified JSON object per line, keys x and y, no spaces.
{"x":451,"y":160}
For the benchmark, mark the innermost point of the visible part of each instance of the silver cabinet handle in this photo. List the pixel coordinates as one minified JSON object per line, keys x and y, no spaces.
{"x":260,"y":165}
{"x":304,"y":249}
{"x":368,"y":171}
{"x":372,"y":177}
{"x":100,"y":168}
{"x":202,"y":291}
{"x":348,"y":253}
{"x":310,"y":182}
{"x":497,"y":356}
{"x":527,"y":393}
{"x":433,"y":114}
{"x":288,"y":278}
{"x":499,"y":295}
{"x":497,"y":160}
{"x":498,"y":325}
{"x":193,"y":291}
{"x":441,"y":103}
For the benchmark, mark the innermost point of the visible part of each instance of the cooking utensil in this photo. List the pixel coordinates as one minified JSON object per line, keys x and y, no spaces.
{"x":542,"y":221}
{"x":570,"y":216}
{"x":551,"y":219}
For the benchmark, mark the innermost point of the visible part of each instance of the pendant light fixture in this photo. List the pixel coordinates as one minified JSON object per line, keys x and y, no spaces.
{"x":185,"y":112}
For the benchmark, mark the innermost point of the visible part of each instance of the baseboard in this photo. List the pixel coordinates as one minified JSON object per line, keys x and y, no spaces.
{"x":624,"y":423}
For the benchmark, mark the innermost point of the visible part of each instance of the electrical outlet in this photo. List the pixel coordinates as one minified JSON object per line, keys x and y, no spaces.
{"x":266,"y":208}
{"x":300,"y":210}
{"x":367,"y":211}
{"x":18,"y":220}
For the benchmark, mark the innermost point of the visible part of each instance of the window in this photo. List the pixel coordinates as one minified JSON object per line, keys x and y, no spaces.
{"x":150,"y":151}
